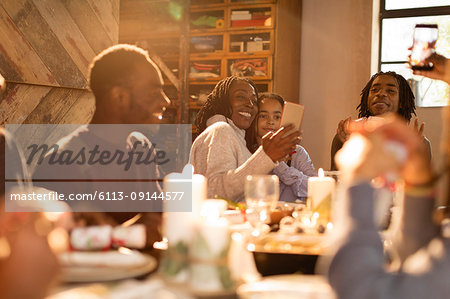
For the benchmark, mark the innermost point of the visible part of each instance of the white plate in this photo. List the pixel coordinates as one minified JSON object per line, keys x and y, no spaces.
{"x":288,"y":286}
{"x":104,"y":266}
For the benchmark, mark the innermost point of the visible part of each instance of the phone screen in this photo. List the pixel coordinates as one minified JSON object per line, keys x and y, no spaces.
{"x":425,"y":37}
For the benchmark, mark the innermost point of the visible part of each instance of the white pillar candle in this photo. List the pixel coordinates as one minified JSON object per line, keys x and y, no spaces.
{"x":209,"y":250}
{"x":178,"y":225}
{"x":319,"y":189}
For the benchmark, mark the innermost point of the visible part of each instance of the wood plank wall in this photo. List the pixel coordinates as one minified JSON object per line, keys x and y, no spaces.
{"x":45,"y":50}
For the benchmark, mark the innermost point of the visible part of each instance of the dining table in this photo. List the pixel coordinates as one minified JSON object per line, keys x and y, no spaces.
{"x":293,"y":276}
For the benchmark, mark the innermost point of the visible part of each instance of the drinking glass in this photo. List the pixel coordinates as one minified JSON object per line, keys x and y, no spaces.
{"x":261,"y":195}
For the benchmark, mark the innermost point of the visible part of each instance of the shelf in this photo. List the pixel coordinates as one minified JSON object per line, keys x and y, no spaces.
{"x":251,"y":42}
{"x":206,"y":69}
{"x":249,"y":2}
{"x":207,"y":19}
{"x":206,"y":44}
{"x":199,"y":4}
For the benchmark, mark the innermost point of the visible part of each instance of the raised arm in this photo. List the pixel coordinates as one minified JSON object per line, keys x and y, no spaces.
{"x":358,"y":268}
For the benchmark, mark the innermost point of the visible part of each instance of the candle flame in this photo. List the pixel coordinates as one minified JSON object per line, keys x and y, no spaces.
{"x":125,"y":251}
{"x":161,"y":245}
{"x":321,"y":173}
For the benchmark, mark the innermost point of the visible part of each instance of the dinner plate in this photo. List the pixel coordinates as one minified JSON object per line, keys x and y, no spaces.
{"x":104,"y":266}
{"x":288,"y":286}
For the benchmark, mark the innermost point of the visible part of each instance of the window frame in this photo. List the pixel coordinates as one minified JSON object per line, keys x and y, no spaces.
{"x":404,"y":13}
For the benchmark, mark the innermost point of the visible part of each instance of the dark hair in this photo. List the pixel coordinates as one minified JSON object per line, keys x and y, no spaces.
{"x":270,"y":95}
{"x":218,"y":101}
{"x":407,"y":105}
{"x":251,"y":133}
{"x":115,"y":66}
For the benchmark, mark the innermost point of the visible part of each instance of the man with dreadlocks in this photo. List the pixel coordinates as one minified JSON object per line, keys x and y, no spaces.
{"x":358,"y":268}
{"x":220,"y":152}
{"x":384,"y":93}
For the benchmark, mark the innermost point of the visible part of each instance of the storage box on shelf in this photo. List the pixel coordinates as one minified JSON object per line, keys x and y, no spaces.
{"x":251,"y":42}
{"x":254,"y":16}
{"x":255,"y":67}
{"x":205,"y":69}
{"x":206,"y":19}
{"x":202,"y":44}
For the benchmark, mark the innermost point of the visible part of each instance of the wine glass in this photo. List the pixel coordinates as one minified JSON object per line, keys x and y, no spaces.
{"x":261,"y":196}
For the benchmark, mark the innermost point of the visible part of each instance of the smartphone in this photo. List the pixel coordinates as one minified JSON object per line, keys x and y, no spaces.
{"x":425,"y":37}
{"x":292,"y":114}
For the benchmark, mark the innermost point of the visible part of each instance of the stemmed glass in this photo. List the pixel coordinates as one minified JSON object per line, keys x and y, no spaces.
{"x":261,"y":196}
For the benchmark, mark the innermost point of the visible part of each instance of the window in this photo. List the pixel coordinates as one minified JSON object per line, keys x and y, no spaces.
{"x":397,"y":21}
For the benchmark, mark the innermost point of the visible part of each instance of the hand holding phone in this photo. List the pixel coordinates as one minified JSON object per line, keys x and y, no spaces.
{"x":425,"y":37}
{"x":292,"y":114}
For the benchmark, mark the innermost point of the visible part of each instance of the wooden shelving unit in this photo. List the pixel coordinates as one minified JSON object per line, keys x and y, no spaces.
{"x":226,"y":37}
{"x":240,"y":43}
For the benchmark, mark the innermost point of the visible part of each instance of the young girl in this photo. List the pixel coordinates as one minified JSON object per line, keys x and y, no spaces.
{"x":295,"y":169}
{"x":220,"y":152}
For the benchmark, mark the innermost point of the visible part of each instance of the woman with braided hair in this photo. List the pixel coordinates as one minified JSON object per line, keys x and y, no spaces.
{"x":385,"y":92}
{"x":220,"y":152}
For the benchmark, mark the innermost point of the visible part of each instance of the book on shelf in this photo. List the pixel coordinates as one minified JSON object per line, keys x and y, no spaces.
{"x":241,"y":17}
{"x":240,"y":12}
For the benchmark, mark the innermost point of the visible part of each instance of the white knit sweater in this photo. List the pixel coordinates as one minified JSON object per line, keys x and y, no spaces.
{"x":220,"y":153}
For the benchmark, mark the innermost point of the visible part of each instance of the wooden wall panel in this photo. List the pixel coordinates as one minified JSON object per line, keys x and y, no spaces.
{"x":86,"y":19}
{"x":18,"y":60}
{"x":42,"y":38}
{"x":69,"y":35}
{"x":19,"y":101}
{"x":104,"y":11}
{"x":45,"y":51}
{"x":54,"y":106}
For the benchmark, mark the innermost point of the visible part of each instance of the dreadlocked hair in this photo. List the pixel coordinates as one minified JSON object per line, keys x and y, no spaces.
{"x":218,"y":101}
{"x":406,"y":107}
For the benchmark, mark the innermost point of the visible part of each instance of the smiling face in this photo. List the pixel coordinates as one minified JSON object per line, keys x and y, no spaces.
{"x":243,"y":104}
{"x":269,"y":117}
{"x":383,"y":95}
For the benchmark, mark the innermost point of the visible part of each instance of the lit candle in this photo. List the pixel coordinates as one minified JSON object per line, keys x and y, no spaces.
{"x":321,"y":193}
{"x":193,"y":185}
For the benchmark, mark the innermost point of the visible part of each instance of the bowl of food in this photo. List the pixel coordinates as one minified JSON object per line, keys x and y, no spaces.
{"x":279,"y":253}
